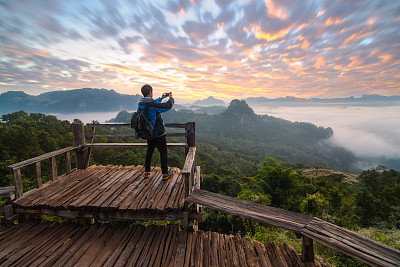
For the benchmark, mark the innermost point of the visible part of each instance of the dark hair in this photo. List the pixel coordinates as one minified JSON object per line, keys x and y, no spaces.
{"x":146,"y":89}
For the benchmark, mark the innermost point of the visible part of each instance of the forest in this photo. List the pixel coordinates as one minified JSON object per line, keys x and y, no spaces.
{"x":258,"y":158}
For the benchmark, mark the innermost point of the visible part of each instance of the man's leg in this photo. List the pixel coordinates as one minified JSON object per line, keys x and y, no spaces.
{"x":149,"y":154}
{"x":161,"y":145}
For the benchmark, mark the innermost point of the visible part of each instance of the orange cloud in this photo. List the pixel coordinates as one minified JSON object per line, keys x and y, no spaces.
{"x":320,"y":62}
{"x":333,"y":21}
{"x":386,"y":57}
{"x":305,"y":45}
{"x":276,"y":9}
{"x":273,"y":36}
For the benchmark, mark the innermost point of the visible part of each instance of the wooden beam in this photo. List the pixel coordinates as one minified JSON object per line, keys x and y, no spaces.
{"x":53,"y":168}
{"x":38,"y":175}
{"x":128,"y":125}
{"x":79,"y":140}
{"x":307,"y":249}
{"x":18,"y":183}
{"x":130,"y":145}
{"x":68,"y":162}
{"x":40,"y":158}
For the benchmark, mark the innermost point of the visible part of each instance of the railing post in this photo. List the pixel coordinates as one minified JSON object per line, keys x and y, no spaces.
{"x":53,"y":167}
{"x":68,"y":162}
{"x":79,"y":140}
{"x":38,"y":175}
{"x":18,"y":183}
{"x":307,"y":249}
{"x":190,"y":135}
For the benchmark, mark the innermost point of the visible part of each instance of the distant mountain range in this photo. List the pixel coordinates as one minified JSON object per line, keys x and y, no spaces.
{"x":104,"y":100}
{"x":365,"y":100}
{"x":65,"y":102}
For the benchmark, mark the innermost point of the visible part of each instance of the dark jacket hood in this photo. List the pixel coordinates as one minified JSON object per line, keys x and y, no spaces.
{"x":145,"y":100}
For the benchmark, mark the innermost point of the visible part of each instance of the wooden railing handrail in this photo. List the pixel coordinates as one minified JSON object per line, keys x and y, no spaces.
{"x":125,"y":145}
{"x":40,"y":158}
{"x":128,"y":125}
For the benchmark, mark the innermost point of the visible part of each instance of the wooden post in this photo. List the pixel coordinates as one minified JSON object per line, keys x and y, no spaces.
{"x":38,"y":175}
{"x":79,"y":140}
{"x":18,"y":183}
{"x":53,"y":167}
{"x":68,"y":162}
{"x":307,"y":249}
{"x":190,"y":135}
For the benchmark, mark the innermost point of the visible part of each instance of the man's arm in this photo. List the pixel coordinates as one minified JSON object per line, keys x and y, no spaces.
{"x":163,"y":107}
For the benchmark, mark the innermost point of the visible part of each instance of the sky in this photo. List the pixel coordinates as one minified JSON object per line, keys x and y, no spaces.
{"x":200,"y":48}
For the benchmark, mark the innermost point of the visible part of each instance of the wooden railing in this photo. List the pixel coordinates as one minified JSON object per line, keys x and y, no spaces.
{"x":16,"y":168}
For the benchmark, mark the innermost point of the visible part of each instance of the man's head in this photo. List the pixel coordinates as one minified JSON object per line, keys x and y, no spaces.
{"x":147,"y":90}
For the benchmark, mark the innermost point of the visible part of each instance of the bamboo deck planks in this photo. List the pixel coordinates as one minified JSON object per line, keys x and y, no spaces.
{"x":70,"y":244}
{"x":106,"y":190}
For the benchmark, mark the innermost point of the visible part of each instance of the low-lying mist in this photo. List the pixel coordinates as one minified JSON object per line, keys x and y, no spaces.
{"x":371,"y":133}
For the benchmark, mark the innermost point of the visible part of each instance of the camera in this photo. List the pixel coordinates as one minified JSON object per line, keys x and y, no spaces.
{"x":167,"y":94}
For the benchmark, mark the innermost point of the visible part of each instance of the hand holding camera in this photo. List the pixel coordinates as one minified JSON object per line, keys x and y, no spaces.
{"x":167,"y":95}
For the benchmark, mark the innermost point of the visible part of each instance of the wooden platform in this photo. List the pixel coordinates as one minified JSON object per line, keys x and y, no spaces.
{"x":108,"y":192}
{"x":333,"y":236}
{"x":43,"y":244}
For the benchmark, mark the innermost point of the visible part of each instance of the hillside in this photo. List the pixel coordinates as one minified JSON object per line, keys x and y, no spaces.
{"x":252,"y":138}
{"x":71,"y":101}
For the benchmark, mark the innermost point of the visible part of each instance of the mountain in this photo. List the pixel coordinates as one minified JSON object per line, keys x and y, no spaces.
{"x":71,"y":101}
{"x":365,"y":100}
{"x":238,"y":131}
{"x":210,"y":101}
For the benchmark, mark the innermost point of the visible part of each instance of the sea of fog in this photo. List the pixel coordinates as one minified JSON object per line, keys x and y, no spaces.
{"x":371,"y":133}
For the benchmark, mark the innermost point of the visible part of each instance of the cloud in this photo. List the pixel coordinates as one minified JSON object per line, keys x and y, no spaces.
{"x":272,"y":48}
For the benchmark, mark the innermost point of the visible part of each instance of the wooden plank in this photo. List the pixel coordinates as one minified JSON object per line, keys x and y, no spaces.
{"x":31,"y":248}
{"x":154,"y":185}
{"x":79,"y":246}
{"x":77,"y":188}
{"x":81,"y":188}
{"x":119,"y":187}
{"x":145,"y":186}
{"x":180,"y":249}
{"x":172,"y":203}
{"x":307,"y":249}
{"x":130,"y":246}
{"x":232,"y":251}
{"x":47,"y":242}
{"x":169,"y":193}
{"x":262,"y":254}
{"x":207,"y":249}
{"x":65,"y":245}
{"x":188,"y":248}
{"x":291,"y":251}
{"x":199,"y":249}
{"x":53,"y":168}
{"x":170,"y":244}
{"x":18,"y":183}
{"x":38,"y":174}
{"x":189,"y":161}
{"x":95,"y":248}
{"x":105,"y":189}
{"x":251,"y":256}
{"x":143,"y":250}
{"x":40,"y":158}
{"x":115,"y":254}
{"x":158,"y":249}
{"x":124,"y":199}
{"x":130,"y":145}
{"x":240,"y":252}
{"x":245,"y":209}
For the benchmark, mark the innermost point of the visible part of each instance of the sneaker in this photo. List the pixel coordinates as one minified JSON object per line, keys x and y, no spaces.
{"x":167,"y":175}
{"x":146,"y":174}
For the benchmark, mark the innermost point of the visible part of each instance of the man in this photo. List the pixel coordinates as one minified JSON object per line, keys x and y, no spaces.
{"x":160,"y":140}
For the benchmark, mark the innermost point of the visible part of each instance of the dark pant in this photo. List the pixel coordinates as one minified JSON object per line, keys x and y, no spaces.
{"x":161,"y":144}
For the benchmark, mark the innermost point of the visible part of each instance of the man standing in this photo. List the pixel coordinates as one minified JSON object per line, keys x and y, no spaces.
{"x":153,"y":113}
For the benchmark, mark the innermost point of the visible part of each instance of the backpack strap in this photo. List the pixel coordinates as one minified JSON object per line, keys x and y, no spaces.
{"x":147,"y":106}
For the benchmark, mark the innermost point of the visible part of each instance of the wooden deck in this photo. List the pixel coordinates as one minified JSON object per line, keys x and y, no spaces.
{"x":333,"y":236}
{"x":43,"y":244}
{"x":108,"y":192}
